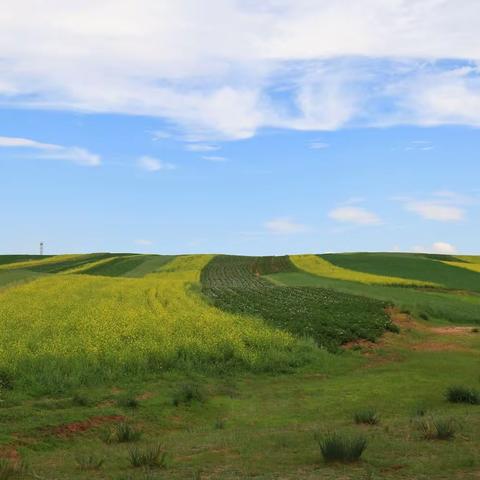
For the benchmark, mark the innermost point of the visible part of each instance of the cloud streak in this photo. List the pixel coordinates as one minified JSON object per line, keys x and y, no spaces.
{"x":354,"y":215}
{"x":50,"y":151}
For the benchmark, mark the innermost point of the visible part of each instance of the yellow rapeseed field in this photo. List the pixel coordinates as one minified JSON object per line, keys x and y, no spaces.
{"x":69,"y":329}
{"x":319,"y":266}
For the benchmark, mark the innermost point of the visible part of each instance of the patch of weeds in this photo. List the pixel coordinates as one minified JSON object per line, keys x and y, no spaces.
{"x":124,"y":432}
{"x":367,"y":416}
{"x":475,"y":330}
{"x":128,"y":401}
{"x":189,"y":393}
{"x":151,"y":457}
{"x":81,"y":400}
{"x":89,"y":461}
{"x":437,"y":428}
{"x":460,"y":394}
{"x":424,"y":316}
{"x":6,"y":380}
{"x":338,"y":447}
{"x":419,"y":411}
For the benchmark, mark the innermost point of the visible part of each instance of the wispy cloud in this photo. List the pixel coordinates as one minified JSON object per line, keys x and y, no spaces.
{"x":328,"y":58}
{"x":285,"y":226}
{"x":442,"y":206}
{"x":151,"y":164}
{"x":143,"y":242}
{"x":423,"y":145}
{"x":51,"y":151}
{"x":214,"y":158}
{"x":354,"y":215}
{"x":201,"y":147}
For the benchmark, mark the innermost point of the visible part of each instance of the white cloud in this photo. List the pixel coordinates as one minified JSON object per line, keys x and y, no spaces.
{"x":151,"y":164}
{"x":437,"y":247}
{"x":329,"y":59}
{"x":354,"y":215}
{"x":285,"y":226}
{"x":143,"y":242}
{"x":51,"y":151}
{"x":214,"y":158}
{"x":423,"y":145}
{"x":432,"y":210}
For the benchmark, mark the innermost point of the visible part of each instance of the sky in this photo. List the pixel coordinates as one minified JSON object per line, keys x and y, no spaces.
{"x":274,"y":127}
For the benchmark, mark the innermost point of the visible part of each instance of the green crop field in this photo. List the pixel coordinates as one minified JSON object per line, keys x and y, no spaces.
{"x":143,"y":367}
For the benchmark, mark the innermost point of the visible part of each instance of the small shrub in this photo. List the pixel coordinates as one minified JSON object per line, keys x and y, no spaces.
{"x":459,"y":394}
{"x":89,"y":462}
{"x":367,"y":416}
{"x":437,"y":428}
{"x":124,"y":433}
{"x":148,"y":457}
{"x":336,"y":447}
{"x":424,"y":316}
{"x":475,"y":330}
{"x":188,"y":393}
{"x":6,"y":380}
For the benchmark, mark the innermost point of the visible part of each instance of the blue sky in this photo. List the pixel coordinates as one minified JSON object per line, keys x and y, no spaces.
{"x":364,"y":140}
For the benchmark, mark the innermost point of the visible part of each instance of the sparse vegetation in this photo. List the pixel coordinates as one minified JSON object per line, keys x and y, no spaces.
{"x":89,"y":461}
{"x":188,"y":393}
{"x":151,"y":457}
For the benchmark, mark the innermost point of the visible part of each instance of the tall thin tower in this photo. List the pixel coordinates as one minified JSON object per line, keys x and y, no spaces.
{"x":41,"y":248}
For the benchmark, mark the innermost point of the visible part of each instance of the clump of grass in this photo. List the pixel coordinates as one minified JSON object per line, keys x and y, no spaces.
{"x":124,"y":432}
{"x":475,"y":330}
{"x":6,"y":380}
{"x":148,"y":457}
{"x":128,"y":401}
{"x":460,"y":394}
{"x":337,"y":447}
{"x":392,"y":327}
{"x":81,"y":400}
{"x":189,"y":393}
{"x":89,"y":462}
{"x":437,"y":428}
{"x":367,"y":416}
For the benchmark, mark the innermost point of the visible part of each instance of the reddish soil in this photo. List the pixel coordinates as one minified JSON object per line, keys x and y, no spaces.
{"x":69,"y":429}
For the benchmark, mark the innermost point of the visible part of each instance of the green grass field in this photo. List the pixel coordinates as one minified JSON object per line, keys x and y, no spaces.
{"x":224,"y":367}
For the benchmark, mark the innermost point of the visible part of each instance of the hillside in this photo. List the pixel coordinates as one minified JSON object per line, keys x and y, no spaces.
{"x":272,"y":350}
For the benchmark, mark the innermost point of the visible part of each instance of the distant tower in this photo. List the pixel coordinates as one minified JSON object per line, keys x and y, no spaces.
{"x":41,"y":248}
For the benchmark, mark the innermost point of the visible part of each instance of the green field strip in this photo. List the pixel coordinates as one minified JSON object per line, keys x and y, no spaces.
{"x":67,"y":264}
{"x":11,"y":277}
{"x":134,"y":266}
{"x":12,"y":259}
{"x":446,"y":307}
{"x":414,"y":267}
{"x":236,"y":284}
{"x":317,"y":265}
{"x":150,"y":264}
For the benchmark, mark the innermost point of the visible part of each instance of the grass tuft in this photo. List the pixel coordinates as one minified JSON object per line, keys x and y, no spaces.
{"x":10,"y":470}
{"x":189,"y":393}
{"x":437,"y":428}
{"x":337,"y":447}
{"x":89,"y":462}
{"x":81,"y":400}
{"x":367,"y":416}
{"x":150,"y":457}
{"x":460,"y":394}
